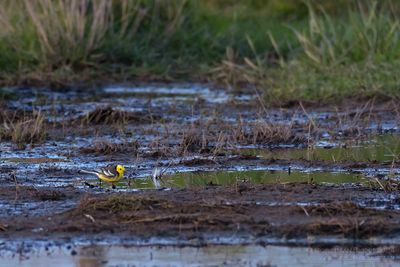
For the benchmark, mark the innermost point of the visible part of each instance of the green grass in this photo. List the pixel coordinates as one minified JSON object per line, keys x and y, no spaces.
{"x":354,"y":55}
{"x":301,"y":82}
{"x":137,"y":38}
{"x":313,"y":50}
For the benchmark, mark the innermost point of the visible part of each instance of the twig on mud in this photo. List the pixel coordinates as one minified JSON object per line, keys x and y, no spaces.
{"x":2,"y":227}
{"x":305,"y":211}
{"x":90,"y":217}
{"x":387,"y":185}
{"x":166,"y":217}
{"x":380,"y":184}
{"x":311,"y":120}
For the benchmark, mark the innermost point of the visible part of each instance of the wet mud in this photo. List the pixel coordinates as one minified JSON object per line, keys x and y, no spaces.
{"x":289,"y":211}
{"x":234,"y":171}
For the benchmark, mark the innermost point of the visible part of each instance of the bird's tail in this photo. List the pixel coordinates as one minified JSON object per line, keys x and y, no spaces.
{"x":89,"y":172}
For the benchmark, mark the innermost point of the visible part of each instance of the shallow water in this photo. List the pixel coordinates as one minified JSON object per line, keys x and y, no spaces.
{"x":56,"y":164}
{"x":161,"y":98}
{"x":379,"y":148}
{"x":175,"y":102}
{"x":214,"y":255}
{"x":190,"y":179}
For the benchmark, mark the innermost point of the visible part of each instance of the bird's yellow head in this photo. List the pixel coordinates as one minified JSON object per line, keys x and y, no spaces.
{"x":120,"y":169}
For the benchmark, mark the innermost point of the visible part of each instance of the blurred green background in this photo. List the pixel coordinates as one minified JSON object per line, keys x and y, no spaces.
{"x":314,"y":50}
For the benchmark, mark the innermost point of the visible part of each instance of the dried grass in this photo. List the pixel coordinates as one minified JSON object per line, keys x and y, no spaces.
{"x":29,"y":129}
{"x":111,"y":116}
{"x":108,"y":148}
{"x":118,"y":203}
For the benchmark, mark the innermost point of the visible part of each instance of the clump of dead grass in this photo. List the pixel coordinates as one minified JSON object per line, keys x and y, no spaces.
{"x":214,"y":137}
{"x":335,"y":209}
{"x":193,"y":140}
{"x":48,"y":195}
{"x":160,"y":147}
{"x":28,"y":129}
{"x":107,"y":148}
{"x":119,"y":203}
{"x":345,"y":218}
{"x":111,"y":116}
{"x":263,"y":133}
{"x":386,"y":184}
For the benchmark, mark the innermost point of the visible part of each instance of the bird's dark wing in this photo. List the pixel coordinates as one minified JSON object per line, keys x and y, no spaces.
{"x":109,"y":171}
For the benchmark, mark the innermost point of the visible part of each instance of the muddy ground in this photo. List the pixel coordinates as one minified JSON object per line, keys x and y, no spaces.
{"x":47,"y":137}
{"x":288,"y":211}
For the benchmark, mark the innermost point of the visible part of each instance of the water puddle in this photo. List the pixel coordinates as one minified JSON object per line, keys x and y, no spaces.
{"x":57,"y":164}
{"x":71,"y":104}
{"x":33,"y":160}
{"x":390,"y":202}
{"x":182,"y":92}
{"x":191,"y":179}
{"x":33,"y":208}
{"x":378,"y":148}
{"x":214,"y":255}
{"x":174,"y":102}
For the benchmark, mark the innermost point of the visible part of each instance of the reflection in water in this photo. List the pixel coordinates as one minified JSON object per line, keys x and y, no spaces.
{"x":190,"y":179}
{"x":91,"y":256}
{"x":380,"y":148}
{"x":215,"y":255}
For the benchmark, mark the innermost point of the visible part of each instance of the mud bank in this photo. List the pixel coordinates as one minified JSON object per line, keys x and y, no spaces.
{"x":284,"y":211}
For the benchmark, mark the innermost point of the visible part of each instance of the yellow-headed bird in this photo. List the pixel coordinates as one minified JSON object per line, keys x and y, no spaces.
{"x":110,"y":174}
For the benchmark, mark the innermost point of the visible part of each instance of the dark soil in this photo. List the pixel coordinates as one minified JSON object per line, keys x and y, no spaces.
{"x":246,"y":209}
